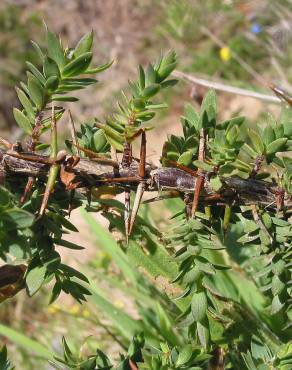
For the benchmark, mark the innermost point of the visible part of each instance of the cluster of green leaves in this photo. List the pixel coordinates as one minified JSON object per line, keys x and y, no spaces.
{"x":276,"y":137}
{"x":260,"y":357}
{"x":27,"y":239}
{"x":209,"y":307}
{"x":62,"y":72}
{"x":266,"y":144}
{"x":132,"y":112}
{"x":223,"y":145}
{"x":272,"y":143}
{"x":205,"y":309}
{"x":15,"y":228}
{"x":200,"y":240}
{"x":196,"y":239}
{"x":183,"y":150}
{"x":272,"y":271}
{"x":99,"y":360}
{"x":92,"y":138}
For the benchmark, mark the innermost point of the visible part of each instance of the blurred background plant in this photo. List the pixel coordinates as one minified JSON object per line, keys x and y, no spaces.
{"x":16,"y":31}
{"x":243,"y":43}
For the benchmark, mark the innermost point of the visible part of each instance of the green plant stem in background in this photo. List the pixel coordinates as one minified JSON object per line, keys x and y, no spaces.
{"x":54,"y":170}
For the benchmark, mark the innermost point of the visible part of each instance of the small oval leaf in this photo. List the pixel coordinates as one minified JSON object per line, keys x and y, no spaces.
{"x":199,"y":306}
{"x":78,"y":65}
{"x":50,"y":68}
{"x":276,"y":145}
{"x":84,"y":44}
{"x":150,"y":91}
{"x":256,"y":141}
{"x":34,"y":279}
{"x":184,"y":355}
{"x":268,"y":135}
{"x":22,"y":121}
{"x":24,"y":100}
{"x":36,"y":91}
{"x":55,"y":50}
{"x":99,"y":140}
{"x":99,"y":69}
{"x":203,"y":334}
{"x":52,"y":83}
{"x":186,"y":158}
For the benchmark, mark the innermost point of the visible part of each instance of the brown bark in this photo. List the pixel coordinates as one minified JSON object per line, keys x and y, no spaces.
{"x":92,"y":173}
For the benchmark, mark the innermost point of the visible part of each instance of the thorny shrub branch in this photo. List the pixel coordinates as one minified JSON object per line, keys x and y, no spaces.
{"x":235,"y":183}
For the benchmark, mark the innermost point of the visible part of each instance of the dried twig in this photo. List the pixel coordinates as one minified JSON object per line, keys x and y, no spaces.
{"x":284,"y":95}
{"x":226,"y":88}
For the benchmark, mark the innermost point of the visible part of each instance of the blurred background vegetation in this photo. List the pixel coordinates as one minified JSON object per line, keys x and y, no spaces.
{"x":242,"y":43}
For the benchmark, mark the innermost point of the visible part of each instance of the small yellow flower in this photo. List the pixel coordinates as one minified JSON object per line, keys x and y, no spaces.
{"x":119,"y":304}
{"x":85,"y":313}
{"x":75,"y":309}
{"x":53,"y":309}
{"x":225,"y":54}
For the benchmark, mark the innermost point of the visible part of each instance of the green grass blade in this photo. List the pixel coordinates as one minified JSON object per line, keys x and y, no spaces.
{"x":157,"y":262}
{"x":121,"y":320}
{"x":110,"y":246}
{"x":28,"y":344}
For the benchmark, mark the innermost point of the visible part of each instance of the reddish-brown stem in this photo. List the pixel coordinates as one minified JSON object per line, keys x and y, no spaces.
{"x":133,"y":366}
{"x":27,"y":190}
{"x":31,"y":147}
{"x":38,"y":158}
{"x":120,"y":179}
{"x":182,"y":167}
{"x":142,"y":163}
{"x":198,"y":189}
{"x":96,"y":156}
{"x":200,"y":180}
{"x":257,"y":165}
{"x":30,"y":157}
{"x":5,"y":143}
